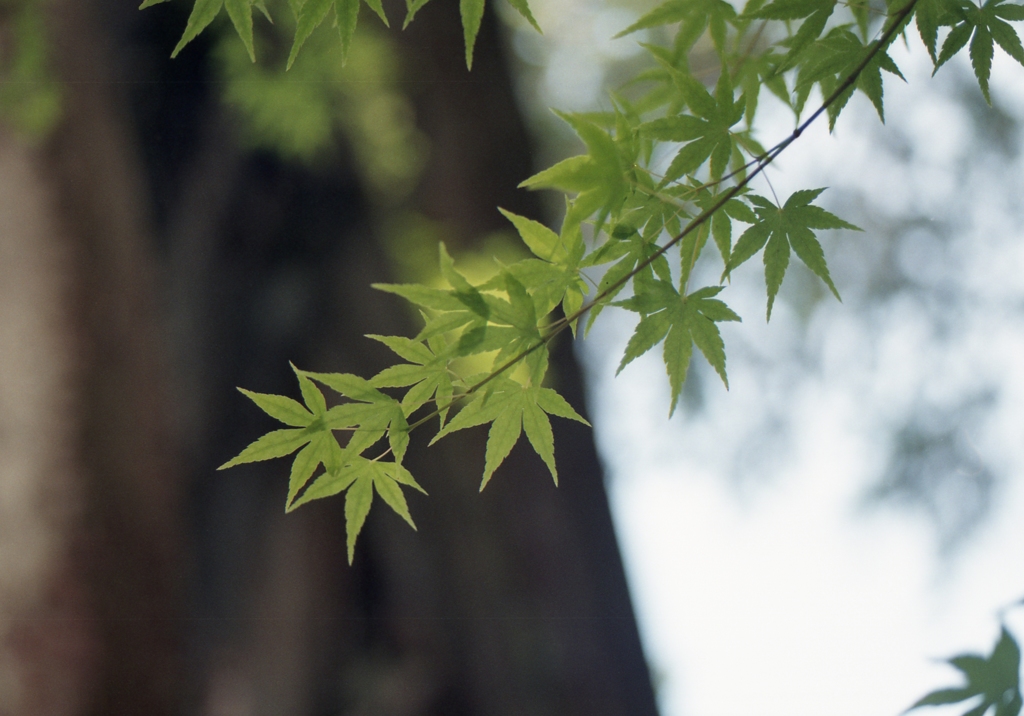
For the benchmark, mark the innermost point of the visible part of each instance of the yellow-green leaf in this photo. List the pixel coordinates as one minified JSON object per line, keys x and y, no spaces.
{"x":331,"y":483}
{"x":412,"y":351}
{"x":305,"y":464}
{"x":351,"y":386}
{"x":288,"y":411}
{"x":398,"y":433}
{"x":312,"y":396}
{"x":472,"y":12}
{"x":551,"y":402}
{"x":357,"y":507}
{"x":541,"y":240}
{"x":501,"y":438}
{"x":277,"y":443}
{"x":538,"y":432}
{"x":389,"y":490}
{"x":400,"y":475}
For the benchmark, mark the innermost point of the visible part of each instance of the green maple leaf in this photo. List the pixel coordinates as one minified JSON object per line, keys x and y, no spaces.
{"x":930,"y":15}
{"x":996,"y":679}
{"x":519,"y":311}
{"x":306,"y":421}
{"x":695,"y":16}
{"x":427,"y":373}
{"x":707,"y":131}
{"x":486,"y":322}
{"x":463,"y":308}
{"x":487,"y":308}
{"x":310,"y":14}
{"x":761,"y":70}
{"x":346,"y":13}
{"x":360,"y":477}
{"x":632,"y":242}
{"x":814,"y":13}
{"x":780,"y":228}
{"x":517,"y":332}
{"x":203,"y":13}
{"x":830,"y":60}
{"x":367,"y":418}
{"x":981,"y":26}
{"x":681,"y":321}
{"x":472,"y":13}
{"x":598,"y":178}
{"x":240,"y":12}
{"x":512,"y":408}
{"x":554,"y":276}
{"x":721,"y":224}
{"x":448,"y":314}
{"x":565,"y":249}
{"x":785,"y":9}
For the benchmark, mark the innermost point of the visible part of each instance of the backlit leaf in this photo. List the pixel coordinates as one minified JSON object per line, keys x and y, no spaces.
{"x":472,"y":12}
{"x":288,"y":411}
{"x":501,"y":438}
{"x":391,"y":493}
{"x":357,"y":506}
{"x":538,"y":432}
{"x":780,"y":228}
{"x":681,"y":322}
{"x":277,"y":443}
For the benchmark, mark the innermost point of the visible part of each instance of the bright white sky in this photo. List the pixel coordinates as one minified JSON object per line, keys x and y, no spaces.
{"x":763,"y":585}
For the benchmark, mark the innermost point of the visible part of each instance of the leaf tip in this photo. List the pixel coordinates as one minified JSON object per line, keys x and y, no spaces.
{"x":485,"y":480}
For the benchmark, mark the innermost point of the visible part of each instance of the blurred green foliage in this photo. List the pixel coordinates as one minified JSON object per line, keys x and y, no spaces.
{"x":302,"y":113}
{"x":30,"y":98}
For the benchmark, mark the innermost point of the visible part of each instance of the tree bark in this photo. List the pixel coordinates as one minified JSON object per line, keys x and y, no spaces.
{"x":99,"y":633}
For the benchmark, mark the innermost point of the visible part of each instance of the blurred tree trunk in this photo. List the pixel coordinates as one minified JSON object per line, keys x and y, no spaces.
{"x":173,"y":265}
{"x":98,"y":630}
